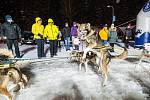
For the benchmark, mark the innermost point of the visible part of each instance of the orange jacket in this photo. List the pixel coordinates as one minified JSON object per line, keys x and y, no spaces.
{"x":103,"y":34}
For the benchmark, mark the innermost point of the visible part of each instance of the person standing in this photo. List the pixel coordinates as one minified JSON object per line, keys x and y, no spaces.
{"x":112,"y":36}
{"x":0,"y":33}
{"x":74,"y":31}
{"x":104,"y":35}
{"x":12,"y":33}
{"x":51,"y":31}
{"x":38,"y":31}
{"x":127,"y":35}
{"x":66,"y":35}
{"x":59,"y":40}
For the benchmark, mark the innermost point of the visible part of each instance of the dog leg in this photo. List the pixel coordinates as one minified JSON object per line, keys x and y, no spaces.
{"x":80,"y":66}
{"x":25,"y":79}
{"x":82,"y":61}
{"x":3,"y":88}
{"x":85,"y":53}
{"x":101,"y":64}
{"x":5,"y":93}
{"x":98,"y":63}
{"x":105,"y":73}
{"x":86,"y":65}
{"x":21,"y":84}
{"x":70,"y":58}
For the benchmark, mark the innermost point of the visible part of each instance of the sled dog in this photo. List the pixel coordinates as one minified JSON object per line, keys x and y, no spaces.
{"x":100,"y":57}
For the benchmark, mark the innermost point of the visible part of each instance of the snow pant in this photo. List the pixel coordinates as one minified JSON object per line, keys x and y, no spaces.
{"x":67,"y":43}
{"x":127,"y":43}
{"x":59,"y":45}
{"x":53,"y":47}
{"x":10,"y":43}
{"x":112,"y":45}
{"x":40,"y":48}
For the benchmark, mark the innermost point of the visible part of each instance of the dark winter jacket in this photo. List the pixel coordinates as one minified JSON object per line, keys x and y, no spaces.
{"x":0,"y":30}
{"x":66,"y":32}
{"x":128,"y":33}
{"x":11,"y":31}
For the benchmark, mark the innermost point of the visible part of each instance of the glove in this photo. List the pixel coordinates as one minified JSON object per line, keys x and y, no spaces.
{"x":4,"y":38}
{"x":40,"y":35}
{"x":46,"y":40}
{"x":19,"y":39}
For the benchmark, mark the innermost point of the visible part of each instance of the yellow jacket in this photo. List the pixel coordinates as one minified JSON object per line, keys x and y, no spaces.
{"x":103,"y":34}
{"x":51,"y":31}
{"x":37,"y":29}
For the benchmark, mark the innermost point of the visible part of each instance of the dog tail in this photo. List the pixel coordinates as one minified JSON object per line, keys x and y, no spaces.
{"x":123,"y":55}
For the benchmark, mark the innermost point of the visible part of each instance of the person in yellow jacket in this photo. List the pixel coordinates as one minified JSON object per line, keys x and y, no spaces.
{"x":104,"y":35}
{"x":38,"y":31}
{"x":51,"y":32}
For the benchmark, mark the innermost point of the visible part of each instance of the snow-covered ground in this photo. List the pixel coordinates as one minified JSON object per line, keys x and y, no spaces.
{"x":59,"y":79}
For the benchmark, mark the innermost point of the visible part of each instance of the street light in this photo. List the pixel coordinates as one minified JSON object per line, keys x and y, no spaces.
{"x":113,"y":15}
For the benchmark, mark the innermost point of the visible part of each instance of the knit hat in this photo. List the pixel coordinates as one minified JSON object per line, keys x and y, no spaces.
{"x":8,"y":17}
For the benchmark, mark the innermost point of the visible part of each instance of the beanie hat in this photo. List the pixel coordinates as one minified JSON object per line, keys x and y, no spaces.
{"x":7,"y":17}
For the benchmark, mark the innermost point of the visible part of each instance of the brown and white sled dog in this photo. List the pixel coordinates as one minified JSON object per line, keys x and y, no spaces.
{"x":10,"y":73}
{"x":101,"y":58}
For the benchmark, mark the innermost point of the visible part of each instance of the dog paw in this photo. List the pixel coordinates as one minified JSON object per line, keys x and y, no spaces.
{"x":104,"y":84}
{"x":80,"y":69}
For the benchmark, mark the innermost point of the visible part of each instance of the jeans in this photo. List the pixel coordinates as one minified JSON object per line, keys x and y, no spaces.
{"x":40,"y":47}
{"x":10,"y":43}
{"x":67,"y":43}
{"x":105,"y":43}
{"x":58,"y":45}
{"x":112,"y":45}
{"x":127,"y":43}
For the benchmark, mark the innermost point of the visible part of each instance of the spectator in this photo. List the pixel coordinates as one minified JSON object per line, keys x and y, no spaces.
{"x":74,"y":31}
{"x":66,"y":35}
{"x":51,"y":31}
{"x":0,"y":33}
{"x":112,"y":36}
{"x":127,"y":35}
{"x":12,"y":33}
{"x":59,"y":40}
{"x":104,"y":35}
{"x":38,"y":31}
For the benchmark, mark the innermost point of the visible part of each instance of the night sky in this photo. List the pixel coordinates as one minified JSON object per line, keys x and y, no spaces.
{"x":94,"y":11}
